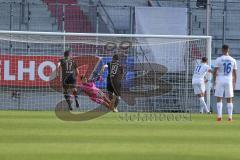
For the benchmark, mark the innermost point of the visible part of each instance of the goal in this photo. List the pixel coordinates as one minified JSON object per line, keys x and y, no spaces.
{"x":157,"y":69}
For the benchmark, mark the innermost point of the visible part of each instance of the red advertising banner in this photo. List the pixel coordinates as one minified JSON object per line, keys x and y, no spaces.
{"x":38,"y":71}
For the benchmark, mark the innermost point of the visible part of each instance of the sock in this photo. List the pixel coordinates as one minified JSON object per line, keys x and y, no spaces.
{"x":203,"y":103}
{"x":116,"y":102}
{"x":219,"y":109}
{"x":67,"y":98}
{"x":76,"y":101}
{"x":230,"y":110}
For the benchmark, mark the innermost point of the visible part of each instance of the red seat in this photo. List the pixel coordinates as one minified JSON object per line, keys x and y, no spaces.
{"x":75,"y":19}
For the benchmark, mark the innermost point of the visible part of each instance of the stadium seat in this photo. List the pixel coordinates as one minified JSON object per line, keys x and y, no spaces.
{"x":75,"y":19}
{"x":39,"y":17}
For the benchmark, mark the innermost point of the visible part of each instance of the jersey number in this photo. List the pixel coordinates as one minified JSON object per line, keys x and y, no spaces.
{"x":114,"y":69}
{"x":198,"y":69}
{"x":227,"y":68}
{"x":69,"y":66}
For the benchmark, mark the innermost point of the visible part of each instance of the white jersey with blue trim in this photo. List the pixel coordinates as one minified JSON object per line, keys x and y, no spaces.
{"x":200,"y":72}
{"x":225,"y":64}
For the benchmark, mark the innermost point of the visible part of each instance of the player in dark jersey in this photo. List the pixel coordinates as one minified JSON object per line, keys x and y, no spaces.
{"x":114,"y":78}
{"x":68,"y":69}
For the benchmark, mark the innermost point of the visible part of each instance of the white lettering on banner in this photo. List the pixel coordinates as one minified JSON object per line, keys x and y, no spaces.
{"x":33,"y":69}
{"x":7,"y":75}
{"x":29,"y":70}
{"x":41,"y":70}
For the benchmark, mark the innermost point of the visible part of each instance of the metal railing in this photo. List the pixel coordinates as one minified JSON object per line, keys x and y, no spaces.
{"x":104,"y":15}
{"x":82,"y":17}
{"x":97,"y":17}
{"x":55,"y":17}
{"x":224,"y":23}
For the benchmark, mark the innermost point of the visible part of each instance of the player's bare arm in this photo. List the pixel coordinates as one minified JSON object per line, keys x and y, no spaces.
{"x":76,"y":71}
{"x":234,"y":78}
{"x":209,"y":72}
{"x":102,"y":69}
{"x":215,"y":75}
{"x":58,"y":70}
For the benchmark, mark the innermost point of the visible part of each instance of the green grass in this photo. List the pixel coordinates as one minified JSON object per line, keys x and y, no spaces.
{"x":41,"y":136}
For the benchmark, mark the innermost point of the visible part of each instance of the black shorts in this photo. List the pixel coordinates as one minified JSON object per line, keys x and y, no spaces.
{"x":114,"y":86}
{"x":69,"y":82}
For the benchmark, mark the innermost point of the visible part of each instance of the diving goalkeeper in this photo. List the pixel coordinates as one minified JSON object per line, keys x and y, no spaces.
{"x":88,"y":86}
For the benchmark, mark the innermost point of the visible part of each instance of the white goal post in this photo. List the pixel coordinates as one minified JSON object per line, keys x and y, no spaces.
{"x":157,"y":68}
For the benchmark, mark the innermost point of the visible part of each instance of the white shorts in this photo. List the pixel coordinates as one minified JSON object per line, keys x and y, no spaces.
{"x":224,"y":87}
{"x":198,"y":88}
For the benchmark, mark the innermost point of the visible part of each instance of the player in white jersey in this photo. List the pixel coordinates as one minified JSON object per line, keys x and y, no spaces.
{"x":198,"y":82}
{"x":225,"y":77}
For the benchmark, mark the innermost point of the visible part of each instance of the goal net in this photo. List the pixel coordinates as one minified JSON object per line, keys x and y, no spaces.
{"x":157,"y":69}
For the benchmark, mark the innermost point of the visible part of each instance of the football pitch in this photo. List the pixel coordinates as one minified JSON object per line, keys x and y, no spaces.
{"x":41,"y":136}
